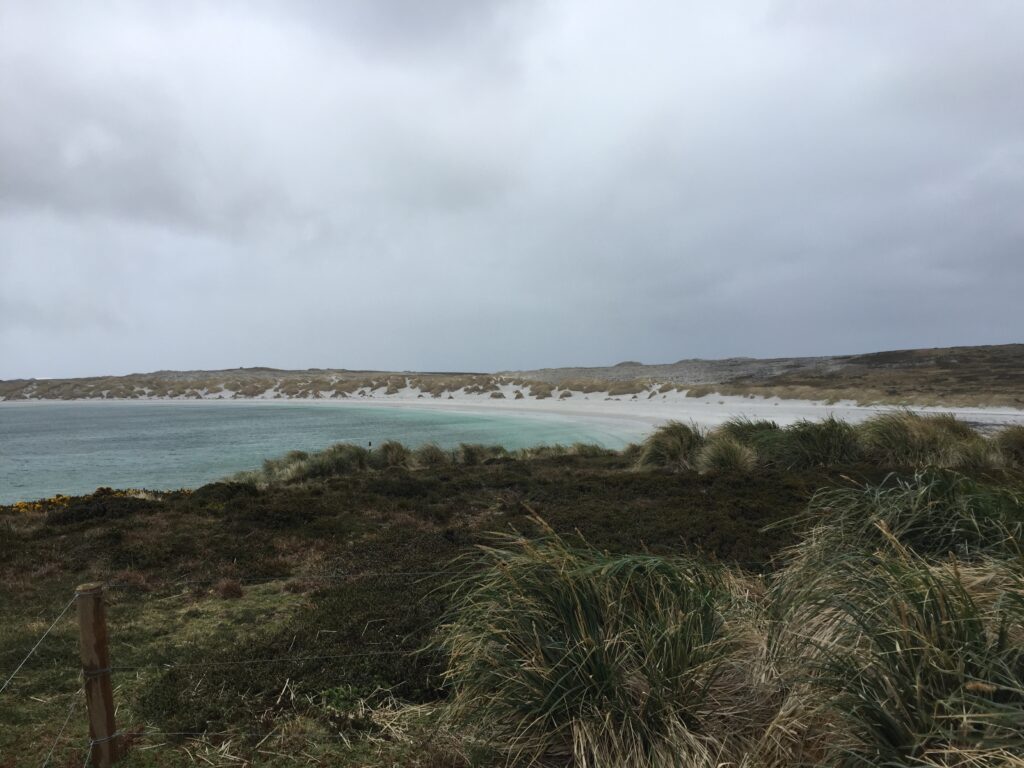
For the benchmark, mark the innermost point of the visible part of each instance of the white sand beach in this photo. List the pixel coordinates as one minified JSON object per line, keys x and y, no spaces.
{"x":629,"y":416}
{"x":632,"y":416}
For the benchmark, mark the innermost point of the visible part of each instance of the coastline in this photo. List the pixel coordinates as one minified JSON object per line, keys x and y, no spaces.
{"x":633,"y":416}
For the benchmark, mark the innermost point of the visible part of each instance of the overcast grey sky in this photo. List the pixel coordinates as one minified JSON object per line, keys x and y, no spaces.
{"x":458,"y":184}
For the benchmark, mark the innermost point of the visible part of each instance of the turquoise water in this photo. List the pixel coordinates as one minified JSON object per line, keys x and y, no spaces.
{"x":75,"y":447}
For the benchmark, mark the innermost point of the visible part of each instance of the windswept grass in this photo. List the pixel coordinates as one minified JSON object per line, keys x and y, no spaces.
{"x":559,"y":654}
{"x":1010,"y":441}
{"x":472,"y":454}
{"x":345,"y":459}
{"x":431,"y":455}
{"x":895,"y":439}
{"x":934,"y":513}
{"x":908,"y":439}
{"x":673,"y":446}
{"x":912,"y":664}
{"x":748,"y":431}
{"x":723,"y":454}
{"x":890,"y":635}
{"x":826,"y":443}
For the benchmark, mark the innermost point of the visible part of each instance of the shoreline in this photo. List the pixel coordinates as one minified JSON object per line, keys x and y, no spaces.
{"x":635,"y":416}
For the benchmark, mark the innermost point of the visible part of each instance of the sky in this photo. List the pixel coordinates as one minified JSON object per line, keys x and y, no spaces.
{"x":471,"y":185}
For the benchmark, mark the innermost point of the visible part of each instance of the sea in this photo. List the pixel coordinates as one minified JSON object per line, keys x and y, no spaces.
{"x":74,"y":447}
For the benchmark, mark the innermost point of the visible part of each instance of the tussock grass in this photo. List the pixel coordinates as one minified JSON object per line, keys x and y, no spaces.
{"x":473,"y":454}
{"x":560,"y":654}
{"x":390,"y":454}
{"x":897,"y":439}
{"x":338,"y":459}
{"x":540,"y":390}
{"x":619,"y":388}
{"x":934,"y":513}
{"x":723,"y":454}
{"x":673,"y":446}
{"x":431,"y":455}
{"x":905,"y":438}
{"x":909,"y":663}
{"x":748,"y":431}
{"x":1010,"y":441}
{"x":825,"y":443}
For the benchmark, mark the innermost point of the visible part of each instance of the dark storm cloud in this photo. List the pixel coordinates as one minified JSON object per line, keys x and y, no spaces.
{"x":472,"y":185}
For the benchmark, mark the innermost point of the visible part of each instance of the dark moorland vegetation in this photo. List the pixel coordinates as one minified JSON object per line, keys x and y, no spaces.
{"x":820,"y":594}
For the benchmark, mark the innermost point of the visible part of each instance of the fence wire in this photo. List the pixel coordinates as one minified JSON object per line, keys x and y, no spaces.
{"x":71,"y":710}
{"x":35,"y":647}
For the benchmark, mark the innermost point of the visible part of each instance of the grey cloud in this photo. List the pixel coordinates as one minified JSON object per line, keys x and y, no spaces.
{"x":472,"y":185}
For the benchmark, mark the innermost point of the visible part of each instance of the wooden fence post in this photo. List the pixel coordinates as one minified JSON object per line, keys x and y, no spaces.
{"x":99,"y":696}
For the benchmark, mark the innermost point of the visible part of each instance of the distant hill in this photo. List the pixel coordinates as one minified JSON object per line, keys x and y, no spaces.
{"x":952,"y":376}
{"x":981,"y":375}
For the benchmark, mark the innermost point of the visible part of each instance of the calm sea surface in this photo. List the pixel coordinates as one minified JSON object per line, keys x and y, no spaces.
{"x":75,"y":447}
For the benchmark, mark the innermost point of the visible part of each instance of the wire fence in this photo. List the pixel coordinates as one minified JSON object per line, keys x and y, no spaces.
{"x":35,"y":647}
{"x":173,"y":664}
{"x":63,"y":727}
{"x":165,"y":666}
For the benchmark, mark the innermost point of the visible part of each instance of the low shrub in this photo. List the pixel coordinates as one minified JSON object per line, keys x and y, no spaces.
{"x":541,"y":451}
{"x":228,"y":589}
{"x":590,"y":450}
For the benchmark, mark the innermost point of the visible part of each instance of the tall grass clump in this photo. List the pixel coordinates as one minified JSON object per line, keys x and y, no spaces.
{"x":431,"y":455}
{"x":390,"y":454}
{"x":1010,"y":441}
{"x":284,"y":468}
{"x":933,"y":513}
{"x":723,"y":454}
{"x":561,"y":655}
{"x":474,"y":454}
{"x":807,"y":444}
{"x":750,"y":432}
{"x":907,"y":439}
{"x":338,"y":459}
{"x":913,"y":664}
{"x":674,"y":445}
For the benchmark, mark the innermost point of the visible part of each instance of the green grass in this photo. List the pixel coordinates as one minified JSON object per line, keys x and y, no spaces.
{"x":826,"y":443}
{"x":672,"y":446}
{"x":565,"y":654}
{"x":722,"y":454}
{"x":934,"y":513}
{"x":431,"y":455}
{"x":904,"y":438}
{"x":1010,"y":441}
{"x":748,"y":431}
{"x":912,"y":664}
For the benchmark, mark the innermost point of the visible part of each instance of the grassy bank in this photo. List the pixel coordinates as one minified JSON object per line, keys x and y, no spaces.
{"x":819,"y":594}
